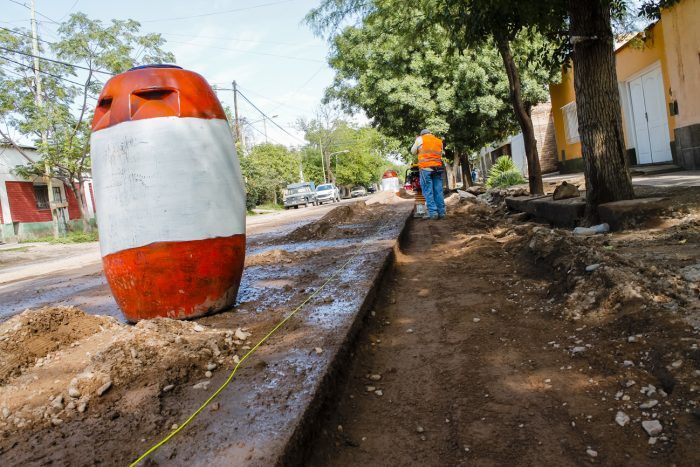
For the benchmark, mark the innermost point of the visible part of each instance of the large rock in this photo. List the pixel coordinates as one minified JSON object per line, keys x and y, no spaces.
{"x":565,"y":190}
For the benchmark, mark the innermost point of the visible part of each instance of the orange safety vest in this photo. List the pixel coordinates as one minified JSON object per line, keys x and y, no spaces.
{"x":430,"y":152}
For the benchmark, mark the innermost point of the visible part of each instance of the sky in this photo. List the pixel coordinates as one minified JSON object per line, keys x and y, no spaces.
{"x":275,"y":59}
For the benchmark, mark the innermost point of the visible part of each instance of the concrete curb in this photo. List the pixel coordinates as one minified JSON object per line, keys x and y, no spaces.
{"x":297,"y":447}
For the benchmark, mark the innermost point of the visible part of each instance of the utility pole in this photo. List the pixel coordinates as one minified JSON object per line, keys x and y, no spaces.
{"x":39,"y":101}
{"x":323,"y":159}
{"x":235,"y":112}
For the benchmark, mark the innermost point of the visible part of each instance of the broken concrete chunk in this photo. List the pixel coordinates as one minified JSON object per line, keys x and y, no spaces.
{"x":57,"y":402}
{"x":652,"y":427}
{"x":565,"y":191}
{"x":201,"y":385}
{"x":649,"y":404}
{"x":241,"y":334}
{"x":621,"y":418}
{"x":104,"y":388}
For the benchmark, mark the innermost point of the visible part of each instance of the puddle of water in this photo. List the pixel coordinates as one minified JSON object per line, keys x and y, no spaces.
{"x":274,"y":283}
{"x":309,"y":245}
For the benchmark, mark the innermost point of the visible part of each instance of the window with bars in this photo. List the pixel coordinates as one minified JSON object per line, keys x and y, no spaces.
{"x":41,"y":193}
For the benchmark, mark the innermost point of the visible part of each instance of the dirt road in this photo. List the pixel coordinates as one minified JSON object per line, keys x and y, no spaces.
{"x":33,"y":275}
{"x":481,"y":351}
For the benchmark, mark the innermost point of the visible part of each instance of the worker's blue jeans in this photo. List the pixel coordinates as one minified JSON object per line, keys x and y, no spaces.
{"x":431,"y":186}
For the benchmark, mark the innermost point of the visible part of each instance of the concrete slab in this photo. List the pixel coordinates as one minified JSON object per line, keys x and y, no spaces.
{"x":623,"y":214}
{"x":523,"y":203}
{"x":562,"y":213}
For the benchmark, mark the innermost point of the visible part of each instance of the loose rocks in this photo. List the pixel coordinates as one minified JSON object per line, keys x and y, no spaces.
{"x":104,"y":388}
{"x":622,"y":418}
{"x":652,"y":427}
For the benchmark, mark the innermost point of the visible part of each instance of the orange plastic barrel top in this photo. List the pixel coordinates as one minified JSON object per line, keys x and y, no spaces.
{"x":171,"y":91}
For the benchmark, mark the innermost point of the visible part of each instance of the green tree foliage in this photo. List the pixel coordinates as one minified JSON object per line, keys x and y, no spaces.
{"x":406,"y":72}
{"x":360,"y":154}
{"x":267,"y":169}
{"x":69,"y":93}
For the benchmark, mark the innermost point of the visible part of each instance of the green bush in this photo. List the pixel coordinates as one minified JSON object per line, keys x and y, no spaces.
{"x":504,"y":173}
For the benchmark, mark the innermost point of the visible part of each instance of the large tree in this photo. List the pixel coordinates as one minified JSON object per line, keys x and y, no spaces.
{"x":96,"y":50}
{"x":581,"y":28}
{"x":408,"y":67}
{"x":405,"y":81}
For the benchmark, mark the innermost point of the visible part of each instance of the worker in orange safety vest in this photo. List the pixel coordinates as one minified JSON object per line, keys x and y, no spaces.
{"x":429,"y":150}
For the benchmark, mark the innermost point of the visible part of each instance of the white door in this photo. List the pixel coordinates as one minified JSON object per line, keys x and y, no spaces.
{"x":649,"y":118}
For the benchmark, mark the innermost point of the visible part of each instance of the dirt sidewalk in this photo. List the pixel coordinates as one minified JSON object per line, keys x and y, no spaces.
{"x":493,"y":345}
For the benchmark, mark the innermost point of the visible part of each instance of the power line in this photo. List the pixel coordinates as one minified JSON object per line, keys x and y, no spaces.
{"x":279,"y":104}
{"x":12,"y":31}
{"x":264,"y":115}
{"x":266,"y":137}
{"x":57,"y":61}
{"x":29,"y":8}
{"x":220,"y":38}
{"x":69,"y":11}
{"x":247,"y":51}
{"x":213,"y":13}
{"x":44,"y":73}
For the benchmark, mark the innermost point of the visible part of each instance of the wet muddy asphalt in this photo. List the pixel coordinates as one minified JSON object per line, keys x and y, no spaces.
{"x":52,"y":277}
{"x":262,"y":417}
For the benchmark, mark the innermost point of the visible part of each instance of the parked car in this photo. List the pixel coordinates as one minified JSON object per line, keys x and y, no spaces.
{"x":358,"y":191}
{"x":300,"y":194}
{"x":327,"y":193}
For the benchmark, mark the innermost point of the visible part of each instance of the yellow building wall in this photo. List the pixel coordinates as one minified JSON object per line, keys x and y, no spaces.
{"x":562,"y":94}
{"x":638,"y":55}
{"x":681,"y":31}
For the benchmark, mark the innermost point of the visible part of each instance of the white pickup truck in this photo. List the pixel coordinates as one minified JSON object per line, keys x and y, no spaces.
{"x":327,"y":193}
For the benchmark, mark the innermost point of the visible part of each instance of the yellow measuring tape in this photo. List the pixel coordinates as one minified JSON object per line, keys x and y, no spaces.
{"x":248,"y":354}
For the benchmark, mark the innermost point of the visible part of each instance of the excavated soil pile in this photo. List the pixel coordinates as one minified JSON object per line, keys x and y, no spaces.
{"x":61,"y":365}
{"x":331,"y":226}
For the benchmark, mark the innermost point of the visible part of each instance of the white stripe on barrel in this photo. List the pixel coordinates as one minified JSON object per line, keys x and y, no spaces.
{"x":166,"y":179}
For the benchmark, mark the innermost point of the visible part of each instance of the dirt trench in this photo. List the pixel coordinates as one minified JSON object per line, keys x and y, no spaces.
{"x":473,"y":356}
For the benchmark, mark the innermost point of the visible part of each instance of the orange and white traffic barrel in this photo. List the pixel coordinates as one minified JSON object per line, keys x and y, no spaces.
{"x":169,"y":193}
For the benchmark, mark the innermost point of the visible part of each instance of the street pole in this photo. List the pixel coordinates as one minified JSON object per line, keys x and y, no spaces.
{"x":323,"y":160}
{"x":38,"y":99}
{"x":235,"y":113}
{"x":265,"y":127}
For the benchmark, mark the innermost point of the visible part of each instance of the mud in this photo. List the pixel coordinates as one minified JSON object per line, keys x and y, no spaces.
{"x":492,"y":345}
{"x":154,"y":374}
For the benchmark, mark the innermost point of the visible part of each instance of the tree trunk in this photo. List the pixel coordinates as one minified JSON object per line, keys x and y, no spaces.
{"x":466,"y":170}
{"x":522,"y":113}
{"x":79,"y":194}
{"x":450,"y":177}
{"x":457,"y":169}
{"x":598,"y":105}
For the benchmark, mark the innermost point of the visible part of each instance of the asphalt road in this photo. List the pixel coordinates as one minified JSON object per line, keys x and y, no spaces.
{"x":33,"y":275}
